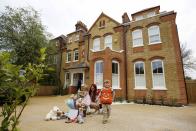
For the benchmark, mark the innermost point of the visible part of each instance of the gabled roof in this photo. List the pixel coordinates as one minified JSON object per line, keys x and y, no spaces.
{"x":102,"y":14}
{"x":61,"y":36}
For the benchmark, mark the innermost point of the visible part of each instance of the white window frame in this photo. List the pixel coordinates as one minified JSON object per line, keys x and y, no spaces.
{"x":164,"y":86}
{"x":96,"y":41}
{"x":55,"y":59}
{"x":76,"y":51}
{"x":69,"y":39}
{"x":106,"y":43}
{"x":118,"y":86}
{"x":150,"y":14}
{"x":95,"y":71}
{"x":67,"y":55}
{"x":149,"y":35}
{"x":139,"y":87}
{"x":77,"y":37}
{"x":139,"y":17}
{"x":65,"y":82}
{"x":141,"y":37}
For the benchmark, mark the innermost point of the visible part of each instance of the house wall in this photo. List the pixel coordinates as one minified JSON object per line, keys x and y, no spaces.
{"x":106,"y":54}
{"x":166,"y":51}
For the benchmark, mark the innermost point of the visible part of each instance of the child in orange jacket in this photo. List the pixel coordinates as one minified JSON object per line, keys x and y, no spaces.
{"x":106,"y":98}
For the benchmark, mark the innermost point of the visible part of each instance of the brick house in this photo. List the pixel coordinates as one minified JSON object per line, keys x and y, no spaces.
{"x":141,"y":56}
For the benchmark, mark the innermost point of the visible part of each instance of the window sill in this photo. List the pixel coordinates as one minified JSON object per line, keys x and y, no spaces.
{"x":117,"y":88}
{"x":155,"y":43}
{"x":138,"y":46}
{"x":140,"y":88}
{"x":105,"y":48}
{"x":68,"y":62}
{"x":75,"y":60}
{"x":163,"y":89}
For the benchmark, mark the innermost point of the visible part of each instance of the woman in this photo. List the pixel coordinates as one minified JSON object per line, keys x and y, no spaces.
{"x":93,"y":92}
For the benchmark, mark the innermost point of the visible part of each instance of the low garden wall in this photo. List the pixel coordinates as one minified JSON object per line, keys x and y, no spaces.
{"x":47,"y":91}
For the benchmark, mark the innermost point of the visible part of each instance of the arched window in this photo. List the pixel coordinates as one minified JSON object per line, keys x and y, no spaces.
{"x":96,"y":44}
{"x":115,"y":75}
{"x":140,"y":81}
{"x":158,"y":74}
{"x":154,"y":34}
{"x":137,"y":38}
{"x":98,"y":74}
{"x":108,"y":41}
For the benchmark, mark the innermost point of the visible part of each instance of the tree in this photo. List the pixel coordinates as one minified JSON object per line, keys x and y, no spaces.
{"x":189,"y":62}
{"x":22,"y":33}
{"x":14,"y":86}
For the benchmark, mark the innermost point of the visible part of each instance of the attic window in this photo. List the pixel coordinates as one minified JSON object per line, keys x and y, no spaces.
{"x":151,"y":14}
{"x":102,"y":24}
{"x":139,"y":17}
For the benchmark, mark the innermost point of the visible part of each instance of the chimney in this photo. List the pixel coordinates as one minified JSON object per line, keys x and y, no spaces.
{"x":125,"y":18}
{"x":81,"y":26}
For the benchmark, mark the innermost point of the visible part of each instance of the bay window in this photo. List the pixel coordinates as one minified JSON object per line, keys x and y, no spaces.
{"x":96,"y":44}
{"x":108,"y":41}
{"x":98,"y":74}
{"x":115,"y":75}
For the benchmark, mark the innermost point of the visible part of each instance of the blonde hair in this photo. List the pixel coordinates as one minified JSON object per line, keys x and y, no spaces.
{"x":106,"y":81}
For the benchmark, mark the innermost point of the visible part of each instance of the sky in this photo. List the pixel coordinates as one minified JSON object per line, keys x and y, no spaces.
{"x":60,"y":16}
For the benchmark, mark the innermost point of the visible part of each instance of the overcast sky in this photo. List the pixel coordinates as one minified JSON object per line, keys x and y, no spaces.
{"x":60,"y":16}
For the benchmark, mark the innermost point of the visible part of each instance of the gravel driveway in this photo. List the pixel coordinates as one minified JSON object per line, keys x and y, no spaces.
{"x":125,"y":117}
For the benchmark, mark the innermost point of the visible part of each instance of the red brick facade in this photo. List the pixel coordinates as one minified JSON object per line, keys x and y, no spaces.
{"x":122,"y":51}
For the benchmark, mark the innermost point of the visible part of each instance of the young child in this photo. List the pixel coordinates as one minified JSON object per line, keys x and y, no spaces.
{"x":106,"y":97}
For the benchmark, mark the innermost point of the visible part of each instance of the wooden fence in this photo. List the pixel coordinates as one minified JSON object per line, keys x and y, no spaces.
{"x":191,"y":90}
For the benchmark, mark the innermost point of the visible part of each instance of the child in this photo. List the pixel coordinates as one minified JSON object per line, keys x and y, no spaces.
{"x":106,"y":97}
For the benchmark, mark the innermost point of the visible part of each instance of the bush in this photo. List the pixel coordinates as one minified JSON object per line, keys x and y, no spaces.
{"x":49,"y":77}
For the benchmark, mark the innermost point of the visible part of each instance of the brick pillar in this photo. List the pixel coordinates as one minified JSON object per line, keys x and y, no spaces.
{"x":107,"y":74}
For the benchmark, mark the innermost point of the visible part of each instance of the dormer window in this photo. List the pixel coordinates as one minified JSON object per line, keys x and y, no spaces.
{"x":139,"y":17}
{"x":150,"y":14}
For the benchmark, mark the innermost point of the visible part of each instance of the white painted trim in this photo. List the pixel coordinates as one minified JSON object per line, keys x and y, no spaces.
{"x":99,"y":61}
{"x":105,"y":48}
{"x":158,"y":88}
{"x":99,"y":44}
{"x":114,"y":61}
{"x":149,"y":35}
{"x":142,"y":44}
{"x":105,"y":42}
{"x":139,"y":88}
{"x":74,"y":60}
{"x":75,"y":71}
{"x":67,"y":57}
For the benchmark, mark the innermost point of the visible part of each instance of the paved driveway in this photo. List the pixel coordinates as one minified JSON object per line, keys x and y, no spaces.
{"x":127,"y":117}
